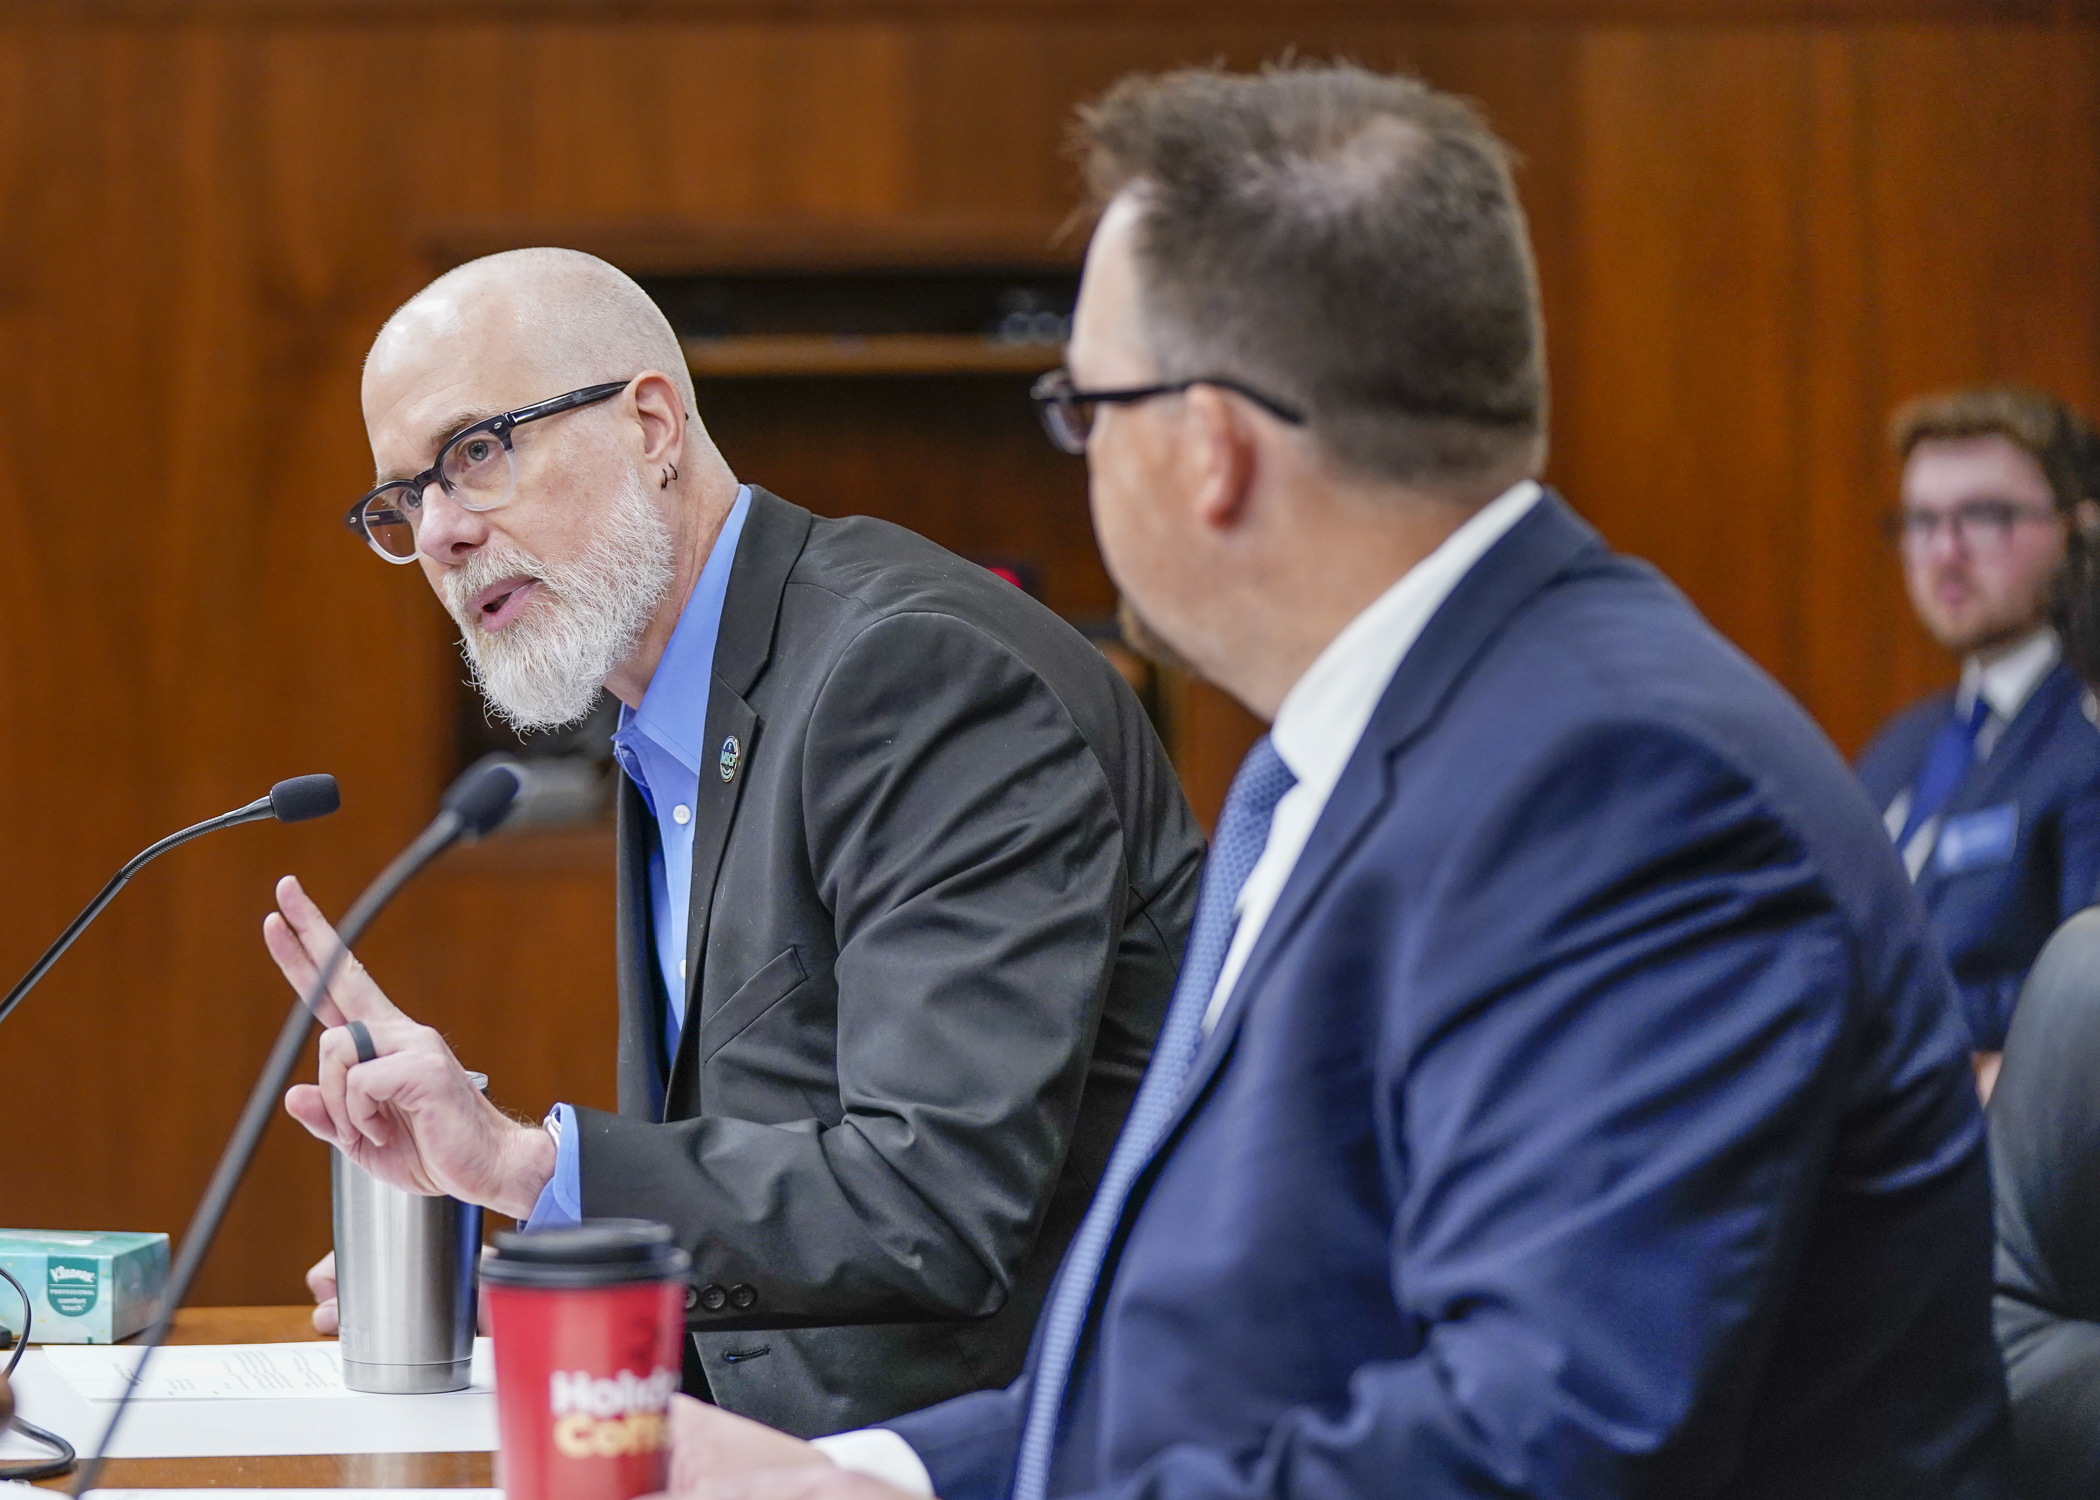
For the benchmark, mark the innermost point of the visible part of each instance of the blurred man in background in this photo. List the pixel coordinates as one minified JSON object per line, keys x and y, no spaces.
{"x":1991,"y":790}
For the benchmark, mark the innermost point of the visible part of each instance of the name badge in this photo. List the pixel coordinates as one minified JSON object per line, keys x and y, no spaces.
{"x":1973,"y":841}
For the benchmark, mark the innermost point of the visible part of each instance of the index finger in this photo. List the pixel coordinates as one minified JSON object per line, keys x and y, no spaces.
{"x":351,"y":988}
{"x":297,"y":968}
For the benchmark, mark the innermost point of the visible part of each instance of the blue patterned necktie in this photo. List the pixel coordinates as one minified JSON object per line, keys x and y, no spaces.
{"x":1945,"y":763}
{"x":1243,"y":831}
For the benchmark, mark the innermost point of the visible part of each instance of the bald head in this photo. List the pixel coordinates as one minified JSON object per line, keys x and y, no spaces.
{"x":570,"y":572}
{"x":567,"y":318}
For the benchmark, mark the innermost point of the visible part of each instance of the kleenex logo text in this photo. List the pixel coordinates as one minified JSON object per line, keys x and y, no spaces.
{"x":72,"y":1286}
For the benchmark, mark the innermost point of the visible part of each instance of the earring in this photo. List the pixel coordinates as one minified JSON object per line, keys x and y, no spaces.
{"x":669,"y":474}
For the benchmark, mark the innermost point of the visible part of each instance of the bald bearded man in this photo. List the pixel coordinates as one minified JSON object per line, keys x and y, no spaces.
{"x":903,"y":872}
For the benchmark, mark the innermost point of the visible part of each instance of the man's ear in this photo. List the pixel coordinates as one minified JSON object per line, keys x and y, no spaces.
{"x":1219,"y":450}
{"x":661,"y":411}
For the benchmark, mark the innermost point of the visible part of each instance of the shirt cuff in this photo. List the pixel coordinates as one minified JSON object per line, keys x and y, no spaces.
{"x":880,"y":1454}
{"x":561,"y":1200}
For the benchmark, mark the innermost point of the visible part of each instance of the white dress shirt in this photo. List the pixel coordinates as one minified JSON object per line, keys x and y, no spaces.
{"x":2006,"y":682}
{"x":1316,"y":730}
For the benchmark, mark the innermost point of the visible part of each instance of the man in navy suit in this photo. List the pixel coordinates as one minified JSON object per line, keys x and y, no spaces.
{"x":1561,"y":1096}
{"x":1991,"y":791}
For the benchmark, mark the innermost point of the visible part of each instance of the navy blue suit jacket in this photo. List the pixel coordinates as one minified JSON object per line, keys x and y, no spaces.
{"x":1591,"y":1119}
{"x":1993,"y":899}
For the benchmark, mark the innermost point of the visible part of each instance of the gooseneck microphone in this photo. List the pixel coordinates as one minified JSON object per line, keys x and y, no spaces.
{"x":291,"y":801}
{"x":472,"y":806}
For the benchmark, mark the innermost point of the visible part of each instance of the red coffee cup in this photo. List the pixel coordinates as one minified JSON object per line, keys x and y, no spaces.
{"x":588,"y":1324}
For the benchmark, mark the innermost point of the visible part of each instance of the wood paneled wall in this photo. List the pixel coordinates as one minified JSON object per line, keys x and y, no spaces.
{"x":1759,"y":225}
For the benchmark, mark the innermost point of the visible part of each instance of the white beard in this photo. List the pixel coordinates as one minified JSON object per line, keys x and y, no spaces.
{"x":544,"y":669}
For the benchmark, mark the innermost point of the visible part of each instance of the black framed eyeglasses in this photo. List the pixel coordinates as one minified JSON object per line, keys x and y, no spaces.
{"x":477,"y":467}
{"x":1984,"y":525}
{"x":1068,"y":412}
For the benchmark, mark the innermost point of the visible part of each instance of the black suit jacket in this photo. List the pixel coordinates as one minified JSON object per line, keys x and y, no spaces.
{"x":2045,"y":1160}
{"x":942,"y":875}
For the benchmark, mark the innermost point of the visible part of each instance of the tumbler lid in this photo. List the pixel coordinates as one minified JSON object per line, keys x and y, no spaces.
{"x":597,"y":1252}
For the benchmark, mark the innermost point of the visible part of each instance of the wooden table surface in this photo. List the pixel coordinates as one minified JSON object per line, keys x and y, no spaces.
{"x":284,"y":1325}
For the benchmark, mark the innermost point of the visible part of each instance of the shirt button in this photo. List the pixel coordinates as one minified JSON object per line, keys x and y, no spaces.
{"x":681,"y":815}
{"x":681,"y":968}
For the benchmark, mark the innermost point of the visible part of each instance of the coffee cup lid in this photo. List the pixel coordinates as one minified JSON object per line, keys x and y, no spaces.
{"x":597,"y":1252}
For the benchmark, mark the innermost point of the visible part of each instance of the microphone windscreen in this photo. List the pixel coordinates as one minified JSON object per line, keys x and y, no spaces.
{"x":304,"y":797}
{"x":484,"y":793}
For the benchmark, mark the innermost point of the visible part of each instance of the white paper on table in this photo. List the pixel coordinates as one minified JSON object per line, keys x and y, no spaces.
{"x":203,"y":1372}
{"x":218,"y":1427}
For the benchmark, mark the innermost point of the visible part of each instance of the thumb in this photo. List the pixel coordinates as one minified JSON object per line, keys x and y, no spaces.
{"x":303,"y":1103}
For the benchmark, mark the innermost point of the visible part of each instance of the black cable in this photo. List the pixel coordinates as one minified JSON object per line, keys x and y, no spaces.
{"x":50,"y":1468}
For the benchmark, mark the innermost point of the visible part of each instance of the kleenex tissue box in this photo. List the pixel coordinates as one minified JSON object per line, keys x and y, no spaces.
{"x":84,"y":1288}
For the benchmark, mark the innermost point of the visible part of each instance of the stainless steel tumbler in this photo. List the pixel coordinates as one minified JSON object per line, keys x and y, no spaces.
{"x":405,"y":1271}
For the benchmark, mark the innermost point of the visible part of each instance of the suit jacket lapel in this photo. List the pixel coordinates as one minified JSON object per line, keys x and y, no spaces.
{"x":1986,"y":785}
{"x":641,"y":1061}
{"x":714,"y":814}
{"x":2022,"y":739}
{"x":774,"y":535}
{"x":1532,"y":553}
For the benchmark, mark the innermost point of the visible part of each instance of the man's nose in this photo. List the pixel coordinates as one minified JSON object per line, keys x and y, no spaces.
{"x":1950,"y":549}
{"x":448,"y":531}
{"x":1943,"y":545}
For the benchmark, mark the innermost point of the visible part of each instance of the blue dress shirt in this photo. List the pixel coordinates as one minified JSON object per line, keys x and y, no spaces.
{"x":658,"y":747}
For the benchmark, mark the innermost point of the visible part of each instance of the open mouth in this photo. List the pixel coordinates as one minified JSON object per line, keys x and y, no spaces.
{"x":502,"y":602}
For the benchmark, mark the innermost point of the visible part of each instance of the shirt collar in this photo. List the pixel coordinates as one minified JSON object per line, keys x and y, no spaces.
{"x":2010,"y":680}
{"x":1325,"y":712}
{"x":673,"y":713}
